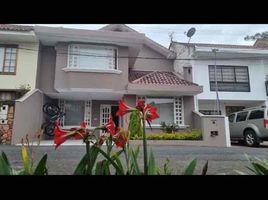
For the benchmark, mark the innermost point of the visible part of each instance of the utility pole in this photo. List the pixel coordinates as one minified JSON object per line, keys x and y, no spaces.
{"x":216,"y":82}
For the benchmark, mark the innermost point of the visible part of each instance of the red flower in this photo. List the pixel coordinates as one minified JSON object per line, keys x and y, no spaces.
{"x":60,"y":136}
{"x":150,"y":113}
{"x":110,"y":126}
{"x":123,"y":109}
{"x":81,"y":133}
{"x":140,"y":105}
{"x":120,"y":138}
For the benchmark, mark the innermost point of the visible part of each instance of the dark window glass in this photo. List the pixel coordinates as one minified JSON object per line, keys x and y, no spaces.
{"x":229,"y":78}
{"x":231,"y":118}
{"x":241,"y":116}
{"x":209,"y":112}
{"x":256,"y":114}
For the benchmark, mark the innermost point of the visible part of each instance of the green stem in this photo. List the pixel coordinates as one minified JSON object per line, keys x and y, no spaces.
{"x":88,"y":157}
{"x":144,"y":148}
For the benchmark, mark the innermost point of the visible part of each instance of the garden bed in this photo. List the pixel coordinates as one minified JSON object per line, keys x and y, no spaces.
{"x":189,"y":135}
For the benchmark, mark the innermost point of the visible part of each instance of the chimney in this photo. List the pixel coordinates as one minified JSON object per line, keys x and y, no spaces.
{"x":261,"y":43}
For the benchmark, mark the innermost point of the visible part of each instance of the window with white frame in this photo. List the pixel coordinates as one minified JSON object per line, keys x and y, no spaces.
{"x":165,"y":109}
{"x":8,"y":59}
{"x":75,"y":112}
{"x":81,"y":56}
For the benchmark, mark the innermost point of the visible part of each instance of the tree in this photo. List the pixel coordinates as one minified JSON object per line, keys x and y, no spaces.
{"x":263,"y":35}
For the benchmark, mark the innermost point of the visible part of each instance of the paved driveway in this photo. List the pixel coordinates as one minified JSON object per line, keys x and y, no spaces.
{"x":221,"y":160}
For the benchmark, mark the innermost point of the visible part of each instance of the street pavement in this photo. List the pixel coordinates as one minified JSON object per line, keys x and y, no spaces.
{"x":221,"y":160}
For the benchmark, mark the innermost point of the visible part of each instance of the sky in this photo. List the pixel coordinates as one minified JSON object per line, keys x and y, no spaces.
{"x":205,"y":33}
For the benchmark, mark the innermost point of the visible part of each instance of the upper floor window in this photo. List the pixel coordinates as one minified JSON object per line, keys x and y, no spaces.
{"x":81,"y":56}
{"x":229,"y":78}
{"x":8,"y":59}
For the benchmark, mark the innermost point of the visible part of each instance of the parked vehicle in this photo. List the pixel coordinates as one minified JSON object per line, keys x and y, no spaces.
{"x":249,"y":125}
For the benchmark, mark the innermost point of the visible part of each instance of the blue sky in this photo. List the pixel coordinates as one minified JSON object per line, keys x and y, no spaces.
{"x":205,"y":33}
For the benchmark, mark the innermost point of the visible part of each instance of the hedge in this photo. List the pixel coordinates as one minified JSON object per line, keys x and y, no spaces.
{"x":190,"y":135}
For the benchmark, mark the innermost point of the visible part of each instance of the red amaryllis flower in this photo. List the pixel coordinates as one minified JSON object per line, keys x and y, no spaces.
{"x":60,"y":136}
{"x":81,"y":133}
{"x":120,"y":138}
{"x":150,"y":113}
{"x":123,"y":109}
{"x":110,"y":126}
{"x":140,"y":105}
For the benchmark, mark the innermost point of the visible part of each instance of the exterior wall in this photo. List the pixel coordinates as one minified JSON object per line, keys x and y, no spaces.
{"x":188,"y":103}
{"x":66,"y":80}
{"x":47,"y":69}
{"x":152,"y":64}
{"x":210,"y":124}
{"x":28,"y":116}
{"x":7,"y":129}
{"x":256,"y":78}
{"x":26,"y":69}
{"x":96,"y":110}
{"x":182,"y":52}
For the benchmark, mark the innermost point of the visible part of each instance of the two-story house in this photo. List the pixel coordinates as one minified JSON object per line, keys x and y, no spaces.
{"x":87,"y":71}
{"x":18,"y":71}
{"x":239,"y":77}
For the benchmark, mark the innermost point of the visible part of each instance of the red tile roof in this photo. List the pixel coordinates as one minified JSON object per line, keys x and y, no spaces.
{"x":157,"y":78}
{"x":11,"y":27}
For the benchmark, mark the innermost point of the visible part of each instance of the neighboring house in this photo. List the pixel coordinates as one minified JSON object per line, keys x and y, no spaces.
{"x":86,"y":72}
{"x":240,"y":74}
{"x":18,"y":71}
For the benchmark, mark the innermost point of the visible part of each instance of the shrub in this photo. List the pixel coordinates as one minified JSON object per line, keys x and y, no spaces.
{"x":190,"y":135}
{"x":169,"y":128}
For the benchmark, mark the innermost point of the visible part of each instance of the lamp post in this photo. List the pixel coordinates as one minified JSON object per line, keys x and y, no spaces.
{"x":216,"y":82}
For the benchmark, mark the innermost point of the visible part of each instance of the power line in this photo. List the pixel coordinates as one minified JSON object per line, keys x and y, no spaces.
{"x":64,"y":52}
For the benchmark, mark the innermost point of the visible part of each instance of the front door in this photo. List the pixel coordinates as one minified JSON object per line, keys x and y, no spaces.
{"x":106,"y":111}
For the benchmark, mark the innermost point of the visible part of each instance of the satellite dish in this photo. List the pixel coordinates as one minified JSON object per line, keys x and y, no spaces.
{"x":191,"y":32}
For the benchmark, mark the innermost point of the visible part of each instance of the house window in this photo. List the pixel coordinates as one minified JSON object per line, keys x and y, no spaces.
{"x":92,"y":57}
{"x":8,"y":59}
{"x":229,"y":78}
{"x":209,"y":112}
{"x":165,"y":109}
{"x":75,"y":113}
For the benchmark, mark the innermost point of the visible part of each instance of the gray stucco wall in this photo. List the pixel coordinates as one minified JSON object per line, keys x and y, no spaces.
{"x":28,"y":117}
{"x":67,"y":80}
{"x":188,"y":102}
{"x":47,"y":70}
{"x":152,"y":64}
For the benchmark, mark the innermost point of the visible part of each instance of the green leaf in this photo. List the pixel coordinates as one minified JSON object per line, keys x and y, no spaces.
{"x":41,"y":168}
{"x":5,"y":158}
{"x":80,"y":169}
{"x":4,"y":167}
{"x":102,"y":168}
{"x":152,"y":168}
{"x":118,"y":162}
{"x":190,"y":167}
{"x":134,"y":162}
{"x":94,"y":151}
{"x":118,"y":170}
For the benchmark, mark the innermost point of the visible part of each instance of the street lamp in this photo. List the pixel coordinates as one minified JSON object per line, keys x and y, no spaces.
{"x":216,"y":82}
